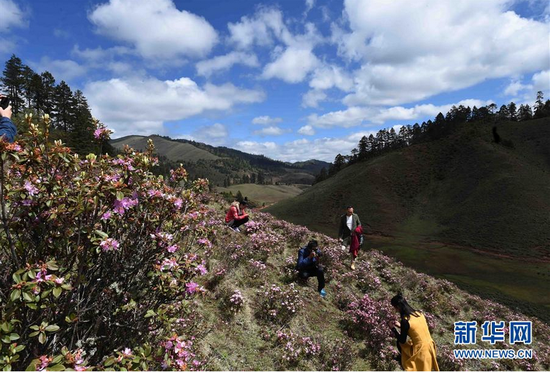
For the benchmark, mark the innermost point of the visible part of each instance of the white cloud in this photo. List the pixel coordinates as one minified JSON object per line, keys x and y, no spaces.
{"x":266,"y":120}
{"x":271,"y":131}
{"x":215,"y":135}
{"x":329,"y":76}
{"x":541,"y":81}
{"x":307,"y":130}
{"x":156,"y":28}
{"x":438,"y":46}
{"x":12,"y":15}
{"x":261,"y":29}
{"x":309,"y":5}
{"x":225,"y":62}
{"x":354,"y":116}
{"x":304,"y":149}
{"x":65,"y":69}
{"x":350,"y":117}
{"x":515,"y":87}
{"x":313,"y":97}
{"x":292,"y":65}
{"x":141,"y":106}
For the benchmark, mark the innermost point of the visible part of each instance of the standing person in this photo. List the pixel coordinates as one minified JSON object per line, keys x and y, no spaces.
{"x":8,"y":131}
{"x":308,"y":265}
{"x":355,"y":243}
{"x":348,"y":223}
{"x":418,"y":353}
{"x":236,"y":216}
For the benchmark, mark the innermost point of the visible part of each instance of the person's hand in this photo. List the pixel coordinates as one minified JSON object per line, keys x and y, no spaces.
{"x":312,"y":254}
{"x":6,"y":112}
{"x":397,"y":324}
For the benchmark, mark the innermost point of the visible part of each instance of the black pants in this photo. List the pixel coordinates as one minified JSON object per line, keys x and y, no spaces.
{"x":314,"y":271}
{"x":236,"y":223}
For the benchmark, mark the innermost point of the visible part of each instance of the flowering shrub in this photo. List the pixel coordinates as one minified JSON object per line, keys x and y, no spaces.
{"x":296,"y":348}
{"x":279,"y":304}
{"x":90,"y":246}
{"x":336,"y":355}
{"x":370,"y":320}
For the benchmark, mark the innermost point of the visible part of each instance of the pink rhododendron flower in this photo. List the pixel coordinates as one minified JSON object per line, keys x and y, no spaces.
{"x":172,"y":248}
{"x":178,"y":203}
{"x":201,"y":269}
{"x":31,"y":189}
{"x":109,"y":244}
{"x":191,"y":287}
{"x":106,"y":215}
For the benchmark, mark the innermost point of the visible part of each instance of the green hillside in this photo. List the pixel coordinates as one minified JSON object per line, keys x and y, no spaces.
{"x":174,"y":151}
{"x":264,"y":194}
{"x":222,"y":165}
{"x":463,"y":189}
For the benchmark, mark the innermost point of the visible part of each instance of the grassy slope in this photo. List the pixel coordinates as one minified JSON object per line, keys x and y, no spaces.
{"x":461,"y":190}
{"x":246,"y":341}
{"x":261,"y":194}
{"x":174,"y":151}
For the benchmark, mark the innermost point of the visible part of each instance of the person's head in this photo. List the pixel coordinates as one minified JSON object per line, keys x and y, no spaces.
{"x":402,"y":306}
{"x":312,"y":244}
{"x":243,"y":204}
{"x":349,"y":210}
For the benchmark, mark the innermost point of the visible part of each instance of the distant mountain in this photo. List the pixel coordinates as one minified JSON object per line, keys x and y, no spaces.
{"x":223,"y":165}
{"x":463,"y":189}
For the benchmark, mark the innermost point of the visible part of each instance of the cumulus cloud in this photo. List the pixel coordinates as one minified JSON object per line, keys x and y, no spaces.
{"x":12,"y":17}
{"x":307,"y":130}
{"x":156,"y":28}
{"x":225,"y":62}
{"x":515,"y":87}
{"x":262,"y":29}
{"x":329,"y":76}
{"x":292,"y":66}
{"x":354,"y":116}
{"x":304,"y":149}
{"x":266,"y":120}
{"x":313,"y":97}
{"x":215,"y":135}
{"x":141,"y":106}
{"x":62,"y":69}
{"x":270,"y":131}
{"x":439,"y":46}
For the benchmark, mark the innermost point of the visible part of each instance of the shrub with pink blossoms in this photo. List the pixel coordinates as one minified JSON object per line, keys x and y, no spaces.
{"x":84,"y":243}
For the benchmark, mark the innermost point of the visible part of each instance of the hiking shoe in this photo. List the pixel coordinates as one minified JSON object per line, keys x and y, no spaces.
{"x":353,"y":265}
{"x":237,"y":229}
{"x":323,"y":293}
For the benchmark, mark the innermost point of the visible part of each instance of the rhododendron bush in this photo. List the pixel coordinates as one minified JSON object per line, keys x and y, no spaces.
{"x":93,"y":250}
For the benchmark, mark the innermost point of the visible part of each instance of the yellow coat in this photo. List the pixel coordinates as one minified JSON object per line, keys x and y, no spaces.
{"x":418,"y":353}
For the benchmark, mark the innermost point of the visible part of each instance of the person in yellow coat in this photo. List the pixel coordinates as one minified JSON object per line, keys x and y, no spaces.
{"x":418,"y":351}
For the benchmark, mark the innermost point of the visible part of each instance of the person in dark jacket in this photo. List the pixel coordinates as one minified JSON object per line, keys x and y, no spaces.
{"x":308,"y":265}
{"x":8,"y":131}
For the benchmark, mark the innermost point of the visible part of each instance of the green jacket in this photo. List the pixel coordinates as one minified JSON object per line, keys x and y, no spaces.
{"x":344,"y":231}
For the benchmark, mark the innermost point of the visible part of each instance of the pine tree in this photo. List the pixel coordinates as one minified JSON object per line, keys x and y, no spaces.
{"x":513,"y":111}
{"x":525,"y":113}
{"x":81,"y":138}
{"x":63,"y":112}
{"x":539,"y":105}
{"x":13,"y":83}
{"x":47,"y":90}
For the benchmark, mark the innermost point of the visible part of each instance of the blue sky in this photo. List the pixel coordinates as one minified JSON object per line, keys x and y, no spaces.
{"x":291,"y":79}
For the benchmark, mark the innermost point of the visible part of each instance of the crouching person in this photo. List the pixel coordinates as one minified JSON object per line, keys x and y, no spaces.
{"x":236,"y":215}
{"x":308,"y":265}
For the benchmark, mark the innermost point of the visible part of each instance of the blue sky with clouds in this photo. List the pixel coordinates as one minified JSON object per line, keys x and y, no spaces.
{"x":291,"y":79}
